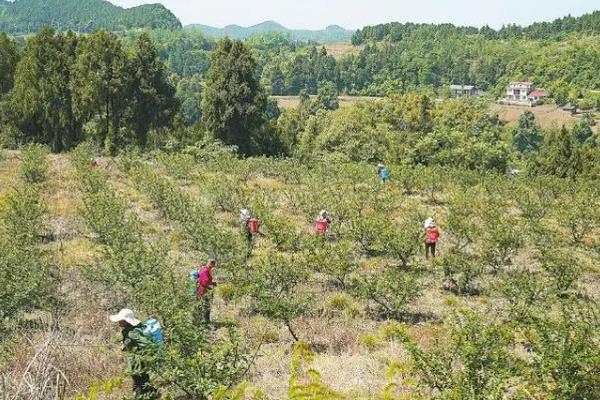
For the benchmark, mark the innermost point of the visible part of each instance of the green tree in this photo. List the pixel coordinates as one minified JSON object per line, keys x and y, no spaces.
{"x":234,"y":103}
{"x":9,"y":57}
{"x":152,"y":97}
{"x":102,"y":83}
{"x":527,"y":137}
{"x":560,"y":155}
{"x":327,"y":97}
{"x":41,"y":102}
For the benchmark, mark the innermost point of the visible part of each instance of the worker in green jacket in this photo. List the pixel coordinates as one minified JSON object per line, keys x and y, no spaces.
{"x":136,"y":345}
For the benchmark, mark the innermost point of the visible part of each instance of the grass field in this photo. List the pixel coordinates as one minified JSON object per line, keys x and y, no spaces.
{"x":339,"y":50}
{"x":548,"y":116}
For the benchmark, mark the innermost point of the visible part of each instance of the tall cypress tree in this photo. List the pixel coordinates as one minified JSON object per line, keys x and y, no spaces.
{"x":41,"y":103}
{"x":153,"y":102}
{"x":9,"y":57}
{"x":234,"y":102}
{"x":102,"y":83}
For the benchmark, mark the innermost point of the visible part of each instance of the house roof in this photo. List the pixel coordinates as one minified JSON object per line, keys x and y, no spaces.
{"x":525,"y":83}
{"x":537,"y":93}
{"x":462,"y":87}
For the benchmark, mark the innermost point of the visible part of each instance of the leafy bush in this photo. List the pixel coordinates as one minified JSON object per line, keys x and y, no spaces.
{"x":34,"y":163}
{"x":391,"y":291}
{"x":473,"y":361}
{"x":461,"y":272}
{"x":274,"y":285}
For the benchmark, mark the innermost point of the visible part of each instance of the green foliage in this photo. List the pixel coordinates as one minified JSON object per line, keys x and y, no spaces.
{"x":338,"y":260}
{"x":391,"y":291}
{"x":29,"y":281}
{"x":9,"y":57}
{"x":527,"y":137}
{"x":461,"y":272}
{"x":234,"y":102}
{"x":305,"y":383}
{"x":474,"y":361}
{"x":34,"y":161}
{"x":152,"y":98}
{"x":27,"y":16}
{"x":41,"y":103}
{"x":274,"y":284}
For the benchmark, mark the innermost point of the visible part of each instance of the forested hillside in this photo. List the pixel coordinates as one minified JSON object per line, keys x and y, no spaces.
{"x":557,"y":29}
{"x":331,"y":34}
{"x":27,"y":16}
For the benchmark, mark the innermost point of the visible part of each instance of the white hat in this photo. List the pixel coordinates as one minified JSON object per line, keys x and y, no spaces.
{"x":380,"y":165}
{"x":323,"y":213}
{"x":429,"y":223}
{"x":125,"y":315}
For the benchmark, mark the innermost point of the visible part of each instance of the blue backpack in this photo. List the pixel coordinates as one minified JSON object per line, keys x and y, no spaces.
{"x":193,"y":282}
{"x":385,"y":173}
{"x":153,"y":331}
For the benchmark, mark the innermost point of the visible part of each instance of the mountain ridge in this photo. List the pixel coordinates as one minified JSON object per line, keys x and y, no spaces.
{"x":27,"y":16}
{"x":332,"y":33}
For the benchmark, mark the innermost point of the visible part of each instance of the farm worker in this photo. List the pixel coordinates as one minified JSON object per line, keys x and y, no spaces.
{"x":204,"y":292}
{"x":432,"y":236}
{"x":93,"y":163}
{"x":251,"y":225}
{"x":135,"y":343}
{"x":322,"y":223}
{"x":383,"y":172}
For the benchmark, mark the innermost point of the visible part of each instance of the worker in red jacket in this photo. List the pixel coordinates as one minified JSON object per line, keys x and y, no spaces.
{"x":432,"y":236}
{"x":251,"y":225}
{"x":322,"y":223}
{"x":204,"y":291}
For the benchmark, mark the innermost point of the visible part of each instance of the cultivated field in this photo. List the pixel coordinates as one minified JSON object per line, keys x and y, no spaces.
{"x":548,"y":116}
{"x":356,"y":296}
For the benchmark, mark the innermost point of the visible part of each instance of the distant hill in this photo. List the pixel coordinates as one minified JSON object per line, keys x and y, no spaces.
{"x":27,"y":16}
{"x":330,"y":34}
{"x":588,"y":24}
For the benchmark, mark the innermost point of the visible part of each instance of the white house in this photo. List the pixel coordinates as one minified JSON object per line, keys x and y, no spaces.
{"x":523,"y":94}
{"x":518,"y":91}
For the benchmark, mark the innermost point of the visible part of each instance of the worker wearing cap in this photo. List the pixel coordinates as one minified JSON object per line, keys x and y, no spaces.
{"x":135,"y":343}
{"x":432,"y":236}
{"x":383,"y":173}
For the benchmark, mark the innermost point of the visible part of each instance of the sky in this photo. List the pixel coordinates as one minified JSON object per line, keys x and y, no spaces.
{"x":353,"y":14}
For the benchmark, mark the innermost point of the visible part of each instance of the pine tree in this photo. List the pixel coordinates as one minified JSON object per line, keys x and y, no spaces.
{"x":41,"y":103}
{"x":152,"y":97}
{"x":234,"y":102}
{"x":9,"y":57}
{"x":102,"y":83}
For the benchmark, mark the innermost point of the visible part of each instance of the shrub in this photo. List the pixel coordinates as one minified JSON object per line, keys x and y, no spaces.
{"x":34,"y":163}
{"x":474,"y":361}
{"x":341,"y":304}
{"x":274,"y":285}
{"x":461,"y":272}
{"x":562,"y":268}
{"x":391,"y":291}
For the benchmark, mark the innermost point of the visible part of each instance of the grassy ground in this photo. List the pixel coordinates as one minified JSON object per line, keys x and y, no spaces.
{"x":285,"y":102}
{"x":548,"y":116}
{"x":339,"y":50}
